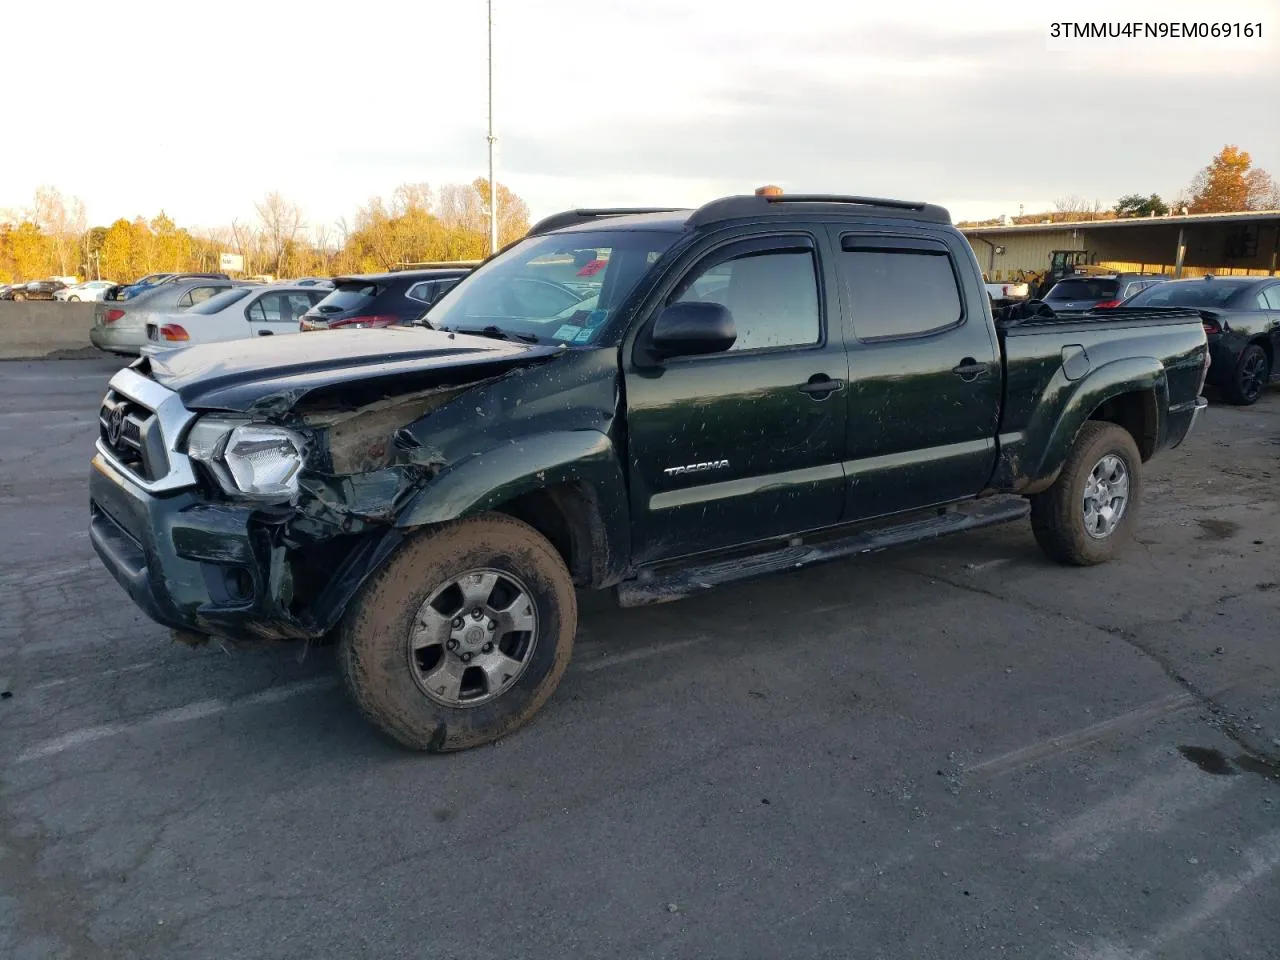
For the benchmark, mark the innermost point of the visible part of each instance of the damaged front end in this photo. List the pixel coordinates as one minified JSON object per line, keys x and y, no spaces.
{"x":345,"y":473}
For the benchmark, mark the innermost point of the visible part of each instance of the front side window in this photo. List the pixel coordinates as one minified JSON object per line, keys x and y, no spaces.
{"x":1270,"y":298}
{"x":772,"y":297}
{"x":561,"y":286}
{"x":899,"y":292}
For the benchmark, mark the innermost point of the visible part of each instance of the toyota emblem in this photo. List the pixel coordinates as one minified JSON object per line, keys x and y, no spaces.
{"x":115,"y":425}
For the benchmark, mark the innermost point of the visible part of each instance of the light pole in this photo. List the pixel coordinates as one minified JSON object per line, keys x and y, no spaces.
{"x":493,"y":186}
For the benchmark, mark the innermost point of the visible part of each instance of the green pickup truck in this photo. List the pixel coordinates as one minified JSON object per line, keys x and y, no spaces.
{"x":653,"y":401}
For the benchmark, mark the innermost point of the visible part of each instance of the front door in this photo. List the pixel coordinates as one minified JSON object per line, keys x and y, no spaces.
{"x":924,"y":373}
{"x":744,"y":445}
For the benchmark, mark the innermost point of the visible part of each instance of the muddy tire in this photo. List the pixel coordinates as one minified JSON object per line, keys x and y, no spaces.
{"x":1250,"y":378}
{"x":462,"y":636}
{"x":1089,"y":514}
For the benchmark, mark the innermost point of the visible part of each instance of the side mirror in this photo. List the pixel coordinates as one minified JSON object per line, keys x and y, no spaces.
{"x":692,"y":329}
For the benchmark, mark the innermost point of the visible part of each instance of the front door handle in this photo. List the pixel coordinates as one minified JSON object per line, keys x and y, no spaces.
{"x":265,"y":333}
{"x":819,"y":386}
{"x":970,"y":370}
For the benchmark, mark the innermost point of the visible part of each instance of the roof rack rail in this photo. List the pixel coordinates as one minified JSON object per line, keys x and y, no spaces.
{"x":733,"y":208}
{"x":571,"y":217}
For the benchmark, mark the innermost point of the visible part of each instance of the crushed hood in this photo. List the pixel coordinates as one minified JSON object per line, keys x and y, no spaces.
{"x":272,"y":375}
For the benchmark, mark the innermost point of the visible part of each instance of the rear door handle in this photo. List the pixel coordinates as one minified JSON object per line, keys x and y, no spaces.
{"x":264,"y":333}
{"x":820,"y":385}
{"x":969,"y":369}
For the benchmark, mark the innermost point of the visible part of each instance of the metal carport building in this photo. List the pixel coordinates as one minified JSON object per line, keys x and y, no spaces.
{"x":1189,"y":245}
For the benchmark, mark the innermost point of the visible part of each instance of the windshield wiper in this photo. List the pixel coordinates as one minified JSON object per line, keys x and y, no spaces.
{"x":496,"y":332}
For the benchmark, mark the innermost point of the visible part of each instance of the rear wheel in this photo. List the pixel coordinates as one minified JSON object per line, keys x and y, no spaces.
{"x":462,"y":636}
{"x":1252,"y":374}
{"x":1088,"y":515}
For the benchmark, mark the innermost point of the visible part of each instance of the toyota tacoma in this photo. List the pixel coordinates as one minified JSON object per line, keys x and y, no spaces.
{"x":650,"y":401}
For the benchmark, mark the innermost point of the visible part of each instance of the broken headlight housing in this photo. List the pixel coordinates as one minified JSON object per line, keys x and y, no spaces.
{"x":258,"y":460}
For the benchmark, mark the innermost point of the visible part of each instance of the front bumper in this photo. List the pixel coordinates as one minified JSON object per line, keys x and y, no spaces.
{"x":189,"y":564}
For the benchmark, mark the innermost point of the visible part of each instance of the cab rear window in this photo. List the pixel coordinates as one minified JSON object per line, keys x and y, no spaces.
{"x":1084,"y":290}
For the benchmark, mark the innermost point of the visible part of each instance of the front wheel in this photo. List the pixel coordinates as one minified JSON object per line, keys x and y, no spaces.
{"x":73,"y":299}
{"x":462,"y":636}
{"x":19,"y":297}
{"x":1251,"y":376}
{"x":1088,"y":515}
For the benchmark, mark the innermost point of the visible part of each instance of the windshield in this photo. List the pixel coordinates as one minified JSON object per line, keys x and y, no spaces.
{"x":220,"y":301}
{"x":559,"y":287}
{"x":1193,"y":293}
{"x":1090,"y":289}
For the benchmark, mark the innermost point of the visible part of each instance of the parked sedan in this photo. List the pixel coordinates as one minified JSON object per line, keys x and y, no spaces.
{"x":89,"y":290}
{"x":35,"y":290}
{"x":380,"y":299}
{"x":1080,"y":294}
{"x":1241,"y":318}
{"x":235,"y":314}
{"x":130,"y":290}
{"x":121,"y":326}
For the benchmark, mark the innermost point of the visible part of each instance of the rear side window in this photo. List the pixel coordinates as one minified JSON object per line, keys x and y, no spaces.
{"x":423,"y":292}
{"x":352,"y":295}
{"x":772,"y":296}
{"x":279,"y":307}
{"x":197,"y":295}
{"x":221,"y":301}
{"x":1084,"y":289}
{"x":899,"y":292}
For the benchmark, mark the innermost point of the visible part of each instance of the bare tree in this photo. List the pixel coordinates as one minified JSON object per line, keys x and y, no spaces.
{"x":63,"y":221}
{"x":281,"y":223}
{"x":246,"y":241}
{"x":411,"y":198}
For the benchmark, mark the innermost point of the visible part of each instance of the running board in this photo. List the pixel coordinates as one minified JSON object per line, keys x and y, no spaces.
{"x":662,"y":587}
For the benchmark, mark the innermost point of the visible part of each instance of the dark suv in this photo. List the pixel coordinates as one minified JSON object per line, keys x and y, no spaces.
{"x":1081,"y":293}
{"x":380,"y":299}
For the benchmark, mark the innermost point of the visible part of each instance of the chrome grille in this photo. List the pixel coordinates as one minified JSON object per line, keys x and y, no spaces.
{"x":125,"y":426}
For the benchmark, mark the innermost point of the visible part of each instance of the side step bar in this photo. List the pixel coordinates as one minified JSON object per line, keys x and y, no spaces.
{"x":665,"y":586}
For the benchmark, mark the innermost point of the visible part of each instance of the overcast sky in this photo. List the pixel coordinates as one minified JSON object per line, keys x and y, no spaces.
{"x":200,"y":109}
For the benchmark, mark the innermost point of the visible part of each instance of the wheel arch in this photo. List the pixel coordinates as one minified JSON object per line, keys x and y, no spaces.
{"x":1130,"y":393}
{"x":567,"y":485}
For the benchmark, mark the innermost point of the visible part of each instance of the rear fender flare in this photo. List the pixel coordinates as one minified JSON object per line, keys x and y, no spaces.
{"x":1130,"y":375}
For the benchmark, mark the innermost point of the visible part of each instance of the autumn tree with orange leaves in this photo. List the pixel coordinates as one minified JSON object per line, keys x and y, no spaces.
{"x":1230,"y":183}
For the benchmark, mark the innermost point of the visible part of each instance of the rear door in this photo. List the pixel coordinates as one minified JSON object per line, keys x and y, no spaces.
{"x":278,"y":312}
{"x":924,"y":373}
{"x":747,"y":444}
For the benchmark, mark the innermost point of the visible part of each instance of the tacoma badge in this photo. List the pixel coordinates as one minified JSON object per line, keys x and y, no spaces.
{"x":696,"y":468}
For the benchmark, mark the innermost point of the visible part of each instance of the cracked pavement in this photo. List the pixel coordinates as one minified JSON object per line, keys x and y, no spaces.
{"x":945,"y":751}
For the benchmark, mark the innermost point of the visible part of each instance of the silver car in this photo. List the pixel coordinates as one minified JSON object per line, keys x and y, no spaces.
{"x":120,"y":326}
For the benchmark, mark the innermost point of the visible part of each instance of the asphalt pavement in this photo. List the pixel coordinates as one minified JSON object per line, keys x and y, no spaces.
{"x":951,"y":751}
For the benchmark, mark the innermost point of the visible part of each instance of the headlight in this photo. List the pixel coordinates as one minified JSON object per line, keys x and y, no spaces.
{"x":255,"y":459}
